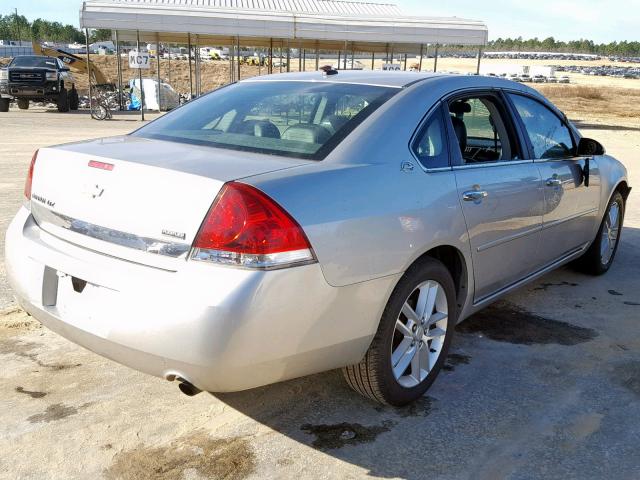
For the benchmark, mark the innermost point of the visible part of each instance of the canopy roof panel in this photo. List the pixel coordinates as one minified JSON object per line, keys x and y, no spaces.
{"x":320,"y":23}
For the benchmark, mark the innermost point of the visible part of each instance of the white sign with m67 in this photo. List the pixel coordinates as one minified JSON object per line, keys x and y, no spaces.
{"x":139,"y":59}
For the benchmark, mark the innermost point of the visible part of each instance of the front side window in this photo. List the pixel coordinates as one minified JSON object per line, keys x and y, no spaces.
{"x":549,"y":136}
{"x":481,"y":130}
{"x":297,"y":119}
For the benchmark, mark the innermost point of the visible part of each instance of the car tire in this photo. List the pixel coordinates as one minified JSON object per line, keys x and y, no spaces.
{"x":391,"y":371}
{"x":63,"y":101}
{"x":4,"y":104}
{"x":74,"y":100}
{"x":23,"y":103}
{"x":598,"y":258}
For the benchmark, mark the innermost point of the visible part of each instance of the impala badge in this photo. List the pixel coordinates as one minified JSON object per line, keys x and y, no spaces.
{"x":171,"y":233}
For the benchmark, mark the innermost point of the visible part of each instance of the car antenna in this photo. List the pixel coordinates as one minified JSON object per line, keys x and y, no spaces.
{"x":328,"y":70}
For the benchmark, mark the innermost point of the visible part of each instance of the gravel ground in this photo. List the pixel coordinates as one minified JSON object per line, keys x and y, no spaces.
{"x":545,"y":384}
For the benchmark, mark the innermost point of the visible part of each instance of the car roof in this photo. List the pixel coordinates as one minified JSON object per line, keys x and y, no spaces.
{"x":35,"y":56}
{"x":392,"y":79}
{"x":382,"y":78}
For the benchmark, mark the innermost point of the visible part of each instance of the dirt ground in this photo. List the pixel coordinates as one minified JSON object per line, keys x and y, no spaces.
{"x":545,"y":384}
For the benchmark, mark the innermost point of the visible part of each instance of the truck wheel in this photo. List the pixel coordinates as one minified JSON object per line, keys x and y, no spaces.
{"x":63,"y":101}
{"x":4,"y":104}
{"x":23,"y":103}
{"x":74,"y":101}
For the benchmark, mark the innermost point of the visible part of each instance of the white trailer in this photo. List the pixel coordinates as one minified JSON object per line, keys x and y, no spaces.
{"x":545,"y":71}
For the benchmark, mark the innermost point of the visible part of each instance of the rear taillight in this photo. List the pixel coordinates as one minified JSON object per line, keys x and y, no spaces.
{"x":245,"y":227}
{"x":29,"y":181}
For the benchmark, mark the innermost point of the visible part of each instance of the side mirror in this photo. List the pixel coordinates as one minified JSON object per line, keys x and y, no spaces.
{"x":589,"y":147}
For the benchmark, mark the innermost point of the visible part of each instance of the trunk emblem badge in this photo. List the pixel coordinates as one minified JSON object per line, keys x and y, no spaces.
{"x":96,"y":191}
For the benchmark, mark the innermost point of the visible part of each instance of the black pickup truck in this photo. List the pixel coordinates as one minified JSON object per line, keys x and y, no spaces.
{"x":33,"y":77}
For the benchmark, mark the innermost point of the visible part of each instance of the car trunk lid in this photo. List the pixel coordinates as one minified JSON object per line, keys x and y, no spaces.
{"x":137,"y":199}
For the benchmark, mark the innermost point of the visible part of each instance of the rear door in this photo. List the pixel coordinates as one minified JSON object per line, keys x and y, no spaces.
{"x":571,"y":208}
{"x":500,"y":192}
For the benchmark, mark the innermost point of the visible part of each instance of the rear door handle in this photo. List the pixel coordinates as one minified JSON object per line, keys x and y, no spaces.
{"x":553,"y":182}
{"x":474,"y":195}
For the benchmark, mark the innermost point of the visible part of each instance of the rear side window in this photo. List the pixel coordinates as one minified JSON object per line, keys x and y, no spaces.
{"x":430,"y":144}
{"x":297,"y":119}
{"x":549,"y":136}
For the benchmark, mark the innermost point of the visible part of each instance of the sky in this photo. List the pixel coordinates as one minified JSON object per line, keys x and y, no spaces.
{"x":600,"y":20}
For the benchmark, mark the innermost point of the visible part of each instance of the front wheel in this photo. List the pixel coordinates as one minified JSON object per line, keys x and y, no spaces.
{"x":63,"y":101}
{"x":412,"y":340}
{"x":598,"y":258}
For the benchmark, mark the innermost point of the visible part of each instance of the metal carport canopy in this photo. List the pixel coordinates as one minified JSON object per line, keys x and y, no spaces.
{"x":322,"y":24}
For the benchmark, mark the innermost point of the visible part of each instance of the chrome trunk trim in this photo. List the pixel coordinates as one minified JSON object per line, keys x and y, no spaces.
{"x":44,"y":216}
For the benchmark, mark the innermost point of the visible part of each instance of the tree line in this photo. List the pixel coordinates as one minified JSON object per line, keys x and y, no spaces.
{"x":18,"y":27}
{"x":550,"y":44}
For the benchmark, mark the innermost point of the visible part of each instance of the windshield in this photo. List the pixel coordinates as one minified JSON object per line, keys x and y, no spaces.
{"x":42,"y":62}
{"x":289,"y":118}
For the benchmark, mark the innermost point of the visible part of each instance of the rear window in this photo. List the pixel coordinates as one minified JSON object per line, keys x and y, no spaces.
{"x":40,"y":62}
{"x":295,"y":119}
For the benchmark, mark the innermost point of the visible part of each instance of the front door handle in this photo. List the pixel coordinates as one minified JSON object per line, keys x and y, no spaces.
{"x":474,"y":195}
{"x":553,"y":182}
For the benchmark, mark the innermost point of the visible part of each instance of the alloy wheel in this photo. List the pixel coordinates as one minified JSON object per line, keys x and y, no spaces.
{"x":610,"y":233}
{"x":419,"y":334}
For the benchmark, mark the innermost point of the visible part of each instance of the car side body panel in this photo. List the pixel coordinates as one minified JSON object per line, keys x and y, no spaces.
{"x":369,"y":210}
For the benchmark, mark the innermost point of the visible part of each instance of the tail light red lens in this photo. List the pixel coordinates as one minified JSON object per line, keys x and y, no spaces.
{"x":29,"y":181}
{"x":246,"y":227}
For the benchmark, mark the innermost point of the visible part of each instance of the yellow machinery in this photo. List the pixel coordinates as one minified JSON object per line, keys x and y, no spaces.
{"x":76,"y":63}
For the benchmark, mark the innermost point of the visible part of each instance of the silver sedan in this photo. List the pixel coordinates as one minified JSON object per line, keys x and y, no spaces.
{"x":291,"y":224}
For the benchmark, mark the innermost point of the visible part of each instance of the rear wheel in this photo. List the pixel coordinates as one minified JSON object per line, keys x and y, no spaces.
{"x":412,"y":340}
{"x":63,"y":101}
{"x":23,"y":103}
{"x":599,"y":257}
{"x":4,"y":104}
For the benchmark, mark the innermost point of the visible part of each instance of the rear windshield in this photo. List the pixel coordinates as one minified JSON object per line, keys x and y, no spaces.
{"x":41,"y":62}
{"x":296,"y":119}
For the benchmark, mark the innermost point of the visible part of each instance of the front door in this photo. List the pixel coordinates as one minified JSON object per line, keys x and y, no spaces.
{"x":571,"y":208}
{"x":500,"y":193}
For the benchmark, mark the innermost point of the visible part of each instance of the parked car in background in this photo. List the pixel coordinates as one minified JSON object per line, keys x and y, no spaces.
{"x":290,"y":224}
{"x":36,"y":78}
{"x":552,"y":79}
{"x":564,"y":79}
{"x":539,"y":79}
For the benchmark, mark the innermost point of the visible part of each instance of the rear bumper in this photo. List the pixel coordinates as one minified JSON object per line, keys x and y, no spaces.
{"x":221,"y":328}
